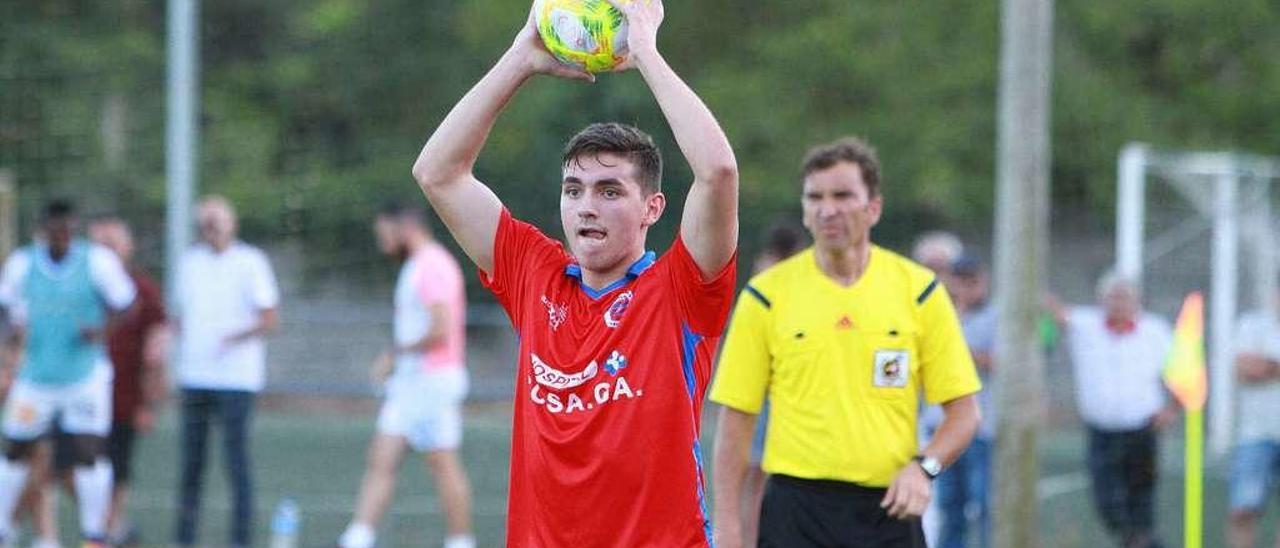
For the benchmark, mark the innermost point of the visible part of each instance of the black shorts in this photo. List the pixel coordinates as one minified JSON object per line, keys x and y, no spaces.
{"x":64,"y":449}
{"x":120,"y":451}
{"x":119,"y":447}
{"x":800,"y":513}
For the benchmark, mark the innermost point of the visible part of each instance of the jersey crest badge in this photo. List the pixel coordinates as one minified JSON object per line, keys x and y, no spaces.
{"x":892,"y":368}
{"x":613,"y":316}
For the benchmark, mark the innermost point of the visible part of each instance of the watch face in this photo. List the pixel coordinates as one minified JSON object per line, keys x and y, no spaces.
{"x":931,"y":465}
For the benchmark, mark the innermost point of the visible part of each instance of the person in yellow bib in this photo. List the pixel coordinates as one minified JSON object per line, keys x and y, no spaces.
{"x":847,"y":340}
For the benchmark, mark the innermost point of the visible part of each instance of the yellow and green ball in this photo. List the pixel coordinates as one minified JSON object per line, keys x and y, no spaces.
{"x":588,"y":34}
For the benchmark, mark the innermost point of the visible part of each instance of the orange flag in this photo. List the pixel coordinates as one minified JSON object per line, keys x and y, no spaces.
{"x":1184,"y":372}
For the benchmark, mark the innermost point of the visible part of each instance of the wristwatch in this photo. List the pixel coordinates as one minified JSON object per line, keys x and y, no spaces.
{"x":931,"y":466}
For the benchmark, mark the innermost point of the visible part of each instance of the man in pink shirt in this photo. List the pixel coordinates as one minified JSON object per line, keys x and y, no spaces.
{"x":425,"y":377}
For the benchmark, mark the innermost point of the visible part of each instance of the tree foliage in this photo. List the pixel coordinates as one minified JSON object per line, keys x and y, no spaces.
{"x":312,"y":111}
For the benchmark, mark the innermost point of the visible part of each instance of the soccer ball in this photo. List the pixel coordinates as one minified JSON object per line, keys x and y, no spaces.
{"x":588,"y":34}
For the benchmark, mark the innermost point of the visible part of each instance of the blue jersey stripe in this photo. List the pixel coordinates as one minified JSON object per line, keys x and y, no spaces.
{"x":702,"y":495}
{"x":689,"y":343}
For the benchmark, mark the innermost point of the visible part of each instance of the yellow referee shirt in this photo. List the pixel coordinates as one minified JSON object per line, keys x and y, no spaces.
{"x":844,"y":367}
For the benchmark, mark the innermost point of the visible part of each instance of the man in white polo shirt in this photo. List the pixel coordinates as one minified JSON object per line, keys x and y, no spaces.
{"x":1255,"y":463}
{"x":1118,"y":352}
{"x":226,"y":300}
{"x":426,"y":380}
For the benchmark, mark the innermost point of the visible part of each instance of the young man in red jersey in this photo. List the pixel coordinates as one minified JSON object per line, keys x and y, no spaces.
{"x":615,"y":343}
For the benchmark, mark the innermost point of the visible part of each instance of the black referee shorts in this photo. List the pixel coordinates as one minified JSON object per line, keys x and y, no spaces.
{"x":801,"y":513}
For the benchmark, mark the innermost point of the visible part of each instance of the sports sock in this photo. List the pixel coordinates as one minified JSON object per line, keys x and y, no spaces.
{"x":93,"y":490}
{"x":13,"y":477}
{"x":460,"y":541}
{"x":357,"y":535}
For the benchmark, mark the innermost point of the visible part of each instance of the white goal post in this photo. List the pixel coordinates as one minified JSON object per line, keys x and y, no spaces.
{"x":1232,"y":192}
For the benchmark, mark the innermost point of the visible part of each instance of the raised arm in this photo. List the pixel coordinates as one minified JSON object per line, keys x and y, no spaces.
{"x":709,"y":225}
{"x":444,"y":167}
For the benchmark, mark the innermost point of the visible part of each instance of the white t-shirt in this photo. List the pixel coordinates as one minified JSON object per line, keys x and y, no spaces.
{"x":1118,"y":376}
{"x":220,"y":295}
{"x":109,"y":277}
{"x":1258,"y":333}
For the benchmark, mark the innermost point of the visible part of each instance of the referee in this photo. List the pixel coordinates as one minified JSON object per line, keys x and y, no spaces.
{"x":846,"y":339}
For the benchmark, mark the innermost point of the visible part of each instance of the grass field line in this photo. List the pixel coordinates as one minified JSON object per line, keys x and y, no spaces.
{"x":320,"y":503}
{"x":1052,"y":486}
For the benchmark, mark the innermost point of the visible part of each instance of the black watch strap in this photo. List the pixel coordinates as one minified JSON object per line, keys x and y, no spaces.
{"x":931,"y":474}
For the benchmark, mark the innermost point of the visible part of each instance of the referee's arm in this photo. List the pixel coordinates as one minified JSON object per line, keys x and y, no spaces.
{"x":909,"y":494}
{"x":951,"y":380}
{"x":741,"y":382}
{"x":956,"y":431}
{"x":733,"y":444}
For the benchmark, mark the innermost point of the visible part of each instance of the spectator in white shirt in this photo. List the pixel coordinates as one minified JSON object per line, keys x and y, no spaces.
{"x":226,"y":298}
{"x":1118,"y":352}
{"x":1256,"y":458}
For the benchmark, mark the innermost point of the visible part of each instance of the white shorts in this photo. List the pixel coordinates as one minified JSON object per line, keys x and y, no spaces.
{"x":81,"y":408}
{"x":425,"y":408}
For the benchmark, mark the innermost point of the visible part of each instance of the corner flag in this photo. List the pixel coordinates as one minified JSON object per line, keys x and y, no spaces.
{"x":1185,"y":376}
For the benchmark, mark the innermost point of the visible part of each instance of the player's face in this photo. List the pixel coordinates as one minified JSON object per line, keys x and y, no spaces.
{"x":387,"y":232}
{"x":838,"y":210}
{"x":605,"y":212}
{"x":58,"y":234}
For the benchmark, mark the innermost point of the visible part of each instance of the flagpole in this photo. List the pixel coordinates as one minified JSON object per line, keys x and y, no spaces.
{"x":1184,"y":374}
{"x":1194,"y":503}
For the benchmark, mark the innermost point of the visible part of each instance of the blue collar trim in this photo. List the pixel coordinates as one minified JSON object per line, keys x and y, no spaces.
{"x":634,"y":271}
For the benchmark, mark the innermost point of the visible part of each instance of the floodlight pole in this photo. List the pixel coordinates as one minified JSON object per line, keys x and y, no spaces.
{"x":1021,"y":250}
{"x":181,"y":131}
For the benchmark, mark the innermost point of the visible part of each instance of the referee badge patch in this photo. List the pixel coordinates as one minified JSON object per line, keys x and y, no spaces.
{"x":892,"y":368}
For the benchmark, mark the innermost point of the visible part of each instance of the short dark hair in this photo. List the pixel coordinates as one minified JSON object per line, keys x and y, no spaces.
{"x":58,"y":209}
{"x":402,"y":212}
{"x":853,"y":150}
{"x":624,"y":140}
{"x":783,"y":239}
{"x":967,"y":266}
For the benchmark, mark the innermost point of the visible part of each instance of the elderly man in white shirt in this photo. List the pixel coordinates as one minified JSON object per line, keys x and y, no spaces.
{"x":1256,"y":458}
{"x":1118,"y":352}
{"x":226,"y":301}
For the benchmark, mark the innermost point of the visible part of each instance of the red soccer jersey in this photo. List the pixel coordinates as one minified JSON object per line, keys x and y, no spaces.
{"x":609,"y":389}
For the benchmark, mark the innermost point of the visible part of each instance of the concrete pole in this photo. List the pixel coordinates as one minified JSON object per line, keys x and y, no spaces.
{"x":1021,"y":250}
